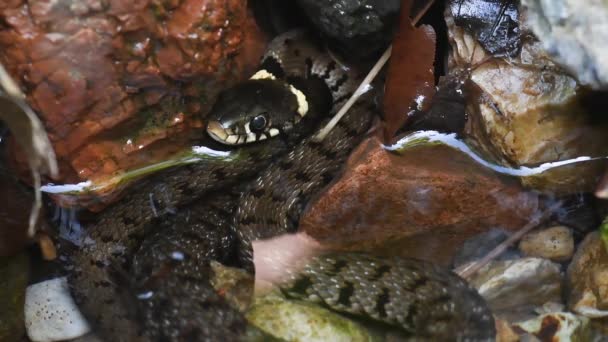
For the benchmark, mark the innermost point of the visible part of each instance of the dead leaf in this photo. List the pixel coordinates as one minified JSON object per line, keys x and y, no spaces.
{"x":410,"y":81}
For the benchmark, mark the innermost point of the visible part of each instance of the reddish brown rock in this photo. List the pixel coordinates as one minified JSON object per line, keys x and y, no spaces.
{"x":111,"y":79}
{"x":423,"y":203}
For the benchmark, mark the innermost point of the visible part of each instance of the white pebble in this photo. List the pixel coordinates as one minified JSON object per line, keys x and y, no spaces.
{"x":51,"y":314}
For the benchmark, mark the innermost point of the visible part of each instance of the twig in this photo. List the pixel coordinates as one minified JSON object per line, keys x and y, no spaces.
{"x":355,"y":96}
{"x":470,"y":269}
{"x":366,"y":81}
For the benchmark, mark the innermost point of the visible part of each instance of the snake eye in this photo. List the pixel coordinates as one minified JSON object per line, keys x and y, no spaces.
{"x":258,"y":124}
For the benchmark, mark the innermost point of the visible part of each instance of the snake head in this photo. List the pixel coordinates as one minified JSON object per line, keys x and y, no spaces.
{"x":255,"y":110}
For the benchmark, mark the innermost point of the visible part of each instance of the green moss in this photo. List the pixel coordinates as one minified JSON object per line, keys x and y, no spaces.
{"x":301,"y":321}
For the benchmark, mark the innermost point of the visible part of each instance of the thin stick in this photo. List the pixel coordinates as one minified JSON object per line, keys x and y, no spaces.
{"x":468,"y":270}
{"x":35,"y":213}
{"x":355,"y":96}
{"x":422,"y":12}
{"x":366,"y":81}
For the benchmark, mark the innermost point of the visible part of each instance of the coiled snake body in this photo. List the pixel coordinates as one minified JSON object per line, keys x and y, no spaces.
{"x":146,"y":274}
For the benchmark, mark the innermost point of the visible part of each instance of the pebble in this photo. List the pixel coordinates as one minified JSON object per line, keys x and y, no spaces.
{"x":555,"y":243}
{"x":515,"y":288}
{"x":557,"y":327}
{"x":588,"y":278}
{"x":51,"y":313}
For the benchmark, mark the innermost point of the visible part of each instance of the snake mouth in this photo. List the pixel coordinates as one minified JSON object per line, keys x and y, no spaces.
{"x":226,"y":136}
{"x":217,"y":132}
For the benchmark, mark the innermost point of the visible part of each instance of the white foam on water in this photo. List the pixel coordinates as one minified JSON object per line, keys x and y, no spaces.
{"x":63,"y":188}
{"x":452,"y":141}
{"x":209,"y":152}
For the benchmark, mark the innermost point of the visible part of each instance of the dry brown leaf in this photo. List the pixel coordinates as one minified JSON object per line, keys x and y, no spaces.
{"x":410,"y":81}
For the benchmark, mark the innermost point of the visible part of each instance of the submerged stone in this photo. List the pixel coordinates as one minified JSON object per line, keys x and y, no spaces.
{"x":480,"y":245}
{"x":557,"y":327}
{"x":554,"y":243}
{"x":514,"y":288}
{"x":588,"y":278}
{"x":422,"y":202}
{"x":299,"y":321}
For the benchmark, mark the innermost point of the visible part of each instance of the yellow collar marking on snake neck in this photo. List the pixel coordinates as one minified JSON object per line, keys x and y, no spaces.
{"x":263,"y":75}
{"x":302,"y":103}
{"x":300,"y":97}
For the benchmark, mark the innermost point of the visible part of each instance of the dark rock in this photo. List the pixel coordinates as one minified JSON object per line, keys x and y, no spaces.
{"x":277,"y":16}
{"x":14,"y":215}
{"x":447,"y":113}
{"x":355,"y":28}
{"x":478,"y":246}
{"x":14,"y":271}
{"x":495,"y":23}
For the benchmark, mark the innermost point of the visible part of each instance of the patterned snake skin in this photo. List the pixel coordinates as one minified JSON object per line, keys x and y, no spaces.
{"x":145,"y":275}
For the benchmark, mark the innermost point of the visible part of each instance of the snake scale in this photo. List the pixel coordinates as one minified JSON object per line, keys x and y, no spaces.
{"x":144,"y":274}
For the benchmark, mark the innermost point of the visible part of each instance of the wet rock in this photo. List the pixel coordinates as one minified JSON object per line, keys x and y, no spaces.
{"x":14,"y":271}
{"x":526,"y":110}
{"x":113,"y":79}
{"x":421,"y":202}
{"x":515,"y":287}
{"x":299,"y":321}
{"x":480,"y":245}
{"x":277,"y":16}
{"x":575,"y":34}
{"x":557,"y":327}
{"x":51,"y":314}
{"x":555,"y":243}
{"x":529,"y":107}
{"x":234,"y":284}
{"x":447,"y":113}
{"x":588,"y":278}
{"x":494,"y":23}
{"x":361,"y":28}
{"x":465,"y":49}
